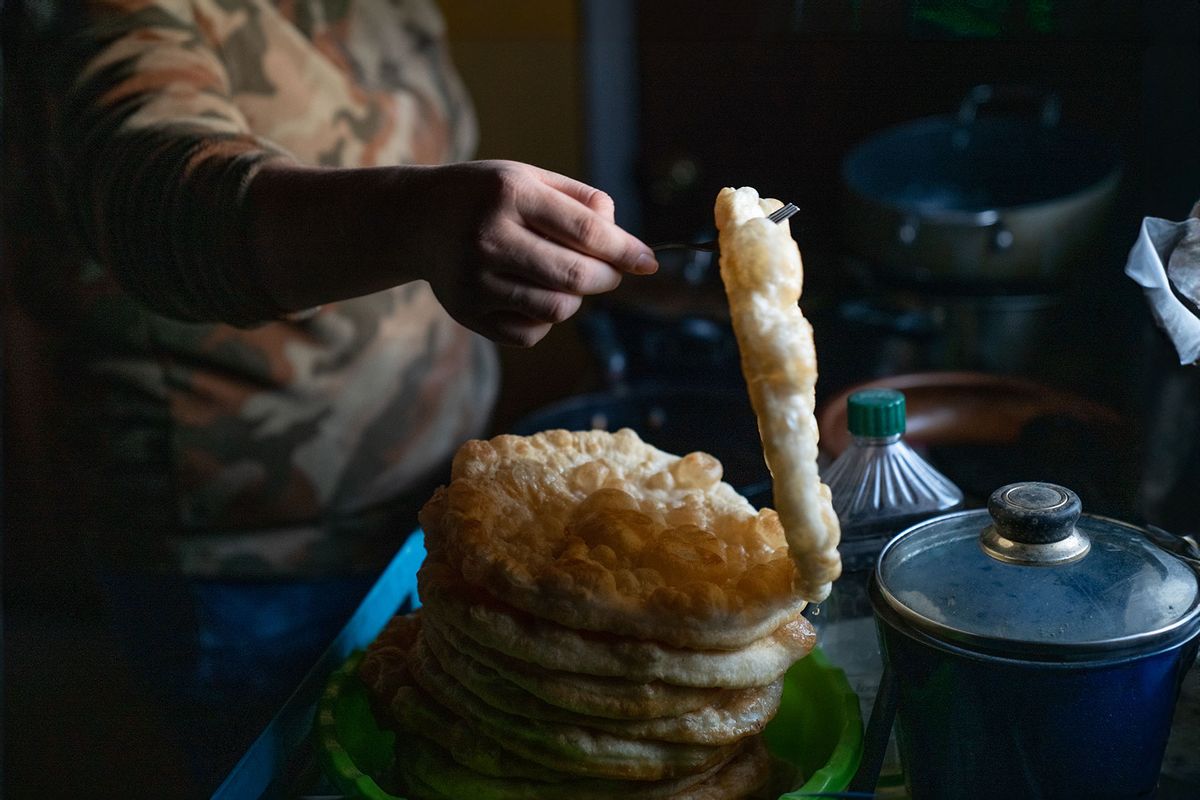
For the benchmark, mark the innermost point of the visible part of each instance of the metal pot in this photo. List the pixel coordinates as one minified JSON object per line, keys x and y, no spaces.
{"x":670,"y":326}
{"x":1034,"y":652}
{"x":969,"y":200}
{"x":915,"y":331}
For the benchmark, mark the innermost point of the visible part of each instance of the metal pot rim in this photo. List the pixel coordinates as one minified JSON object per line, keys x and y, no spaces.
{"x":981,"y":218}
{"x":1182,"y":629}
{"x":889,"y":617}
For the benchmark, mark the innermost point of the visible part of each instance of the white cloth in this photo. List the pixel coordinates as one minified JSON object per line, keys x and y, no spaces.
{"x":1165,"y":262}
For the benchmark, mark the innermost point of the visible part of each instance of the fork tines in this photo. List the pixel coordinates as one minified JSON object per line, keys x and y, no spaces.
{"x":777,"y":216}
{"x":782,"y":213}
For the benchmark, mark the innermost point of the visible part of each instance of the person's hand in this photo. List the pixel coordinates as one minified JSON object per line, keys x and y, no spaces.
{"x":511,"y":249}
{"x":508,"y":248}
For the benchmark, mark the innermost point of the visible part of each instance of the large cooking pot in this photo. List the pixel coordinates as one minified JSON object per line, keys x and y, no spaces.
{"x":1033,"y":651}
{"x":974,"y":199}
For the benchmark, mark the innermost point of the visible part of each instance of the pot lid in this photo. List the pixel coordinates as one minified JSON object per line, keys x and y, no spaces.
{"x":1032,"y":576}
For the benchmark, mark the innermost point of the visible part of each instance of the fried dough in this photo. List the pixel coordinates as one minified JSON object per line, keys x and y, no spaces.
{"x":614,"y":698}
{"x":763,"y":277}
{"x":417,"y":715}
{"x":600,"y":619}
{"x":600,"y":531}
{"x":570,"y":749}
{"x":744,"y":712}
{"x":555,"y":647}
{"x":384,"y":667}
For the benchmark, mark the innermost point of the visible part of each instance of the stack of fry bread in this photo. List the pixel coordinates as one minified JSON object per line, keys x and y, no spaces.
{"x":601,"y":619}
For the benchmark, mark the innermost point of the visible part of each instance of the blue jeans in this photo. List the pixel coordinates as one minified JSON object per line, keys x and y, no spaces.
{"x":222,"y":656}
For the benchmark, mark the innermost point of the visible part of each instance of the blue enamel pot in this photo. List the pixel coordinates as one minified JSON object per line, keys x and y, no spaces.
{"x":1033,"y":651}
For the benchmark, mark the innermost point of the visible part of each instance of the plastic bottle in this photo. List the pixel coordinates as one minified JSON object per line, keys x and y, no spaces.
{"x":880,"y":486}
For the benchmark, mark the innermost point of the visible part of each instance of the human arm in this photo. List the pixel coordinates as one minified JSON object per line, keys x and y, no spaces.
{"x":508,"y":248}
{"x":203,"y":220}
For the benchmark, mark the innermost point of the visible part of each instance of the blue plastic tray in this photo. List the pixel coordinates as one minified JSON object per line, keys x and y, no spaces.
{"x":281,"y":753}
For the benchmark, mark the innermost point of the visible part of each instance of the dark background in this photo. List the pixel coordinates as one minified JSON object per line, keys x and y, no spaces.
{"x":774,"y":95}
{"x":672,"y":101}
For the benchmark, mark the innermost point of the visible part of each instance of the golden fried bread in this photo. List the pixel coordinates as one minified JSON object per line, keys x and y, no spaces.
{"x":400,"y":632}
{"x":600,"y":619}
{"x":763,"y":275}
{"x":570,"y":749}
{"x":433,"y":775}
{"x":556,"y":647}
{"x":600,"y":531}
{"x":384,"y":667}
{"x":744,"y":712}
{"x":418,"y":715}
{"x":613,"y":698}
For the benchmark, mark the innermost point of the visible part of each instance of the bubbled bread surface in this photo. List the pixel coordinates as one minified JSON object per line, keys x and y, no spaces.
{"x":604,"y":532}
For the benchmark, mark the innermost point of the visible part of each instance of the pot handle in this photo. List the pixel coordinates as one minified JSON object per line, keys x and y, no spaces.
{"x":1000,"y":241}
{"x":879,"y":731}
{"x":1183,"y":547}
{"x":1049,"y":103}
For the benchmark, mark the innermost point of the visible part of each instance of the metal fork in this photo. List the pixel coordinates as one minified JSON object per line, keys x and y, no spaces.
{"x":779,"y":215}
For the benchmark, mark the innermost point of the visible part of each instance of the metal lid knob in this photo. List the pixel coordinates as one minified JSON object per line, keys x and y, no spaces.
{"x":1034,"y":523}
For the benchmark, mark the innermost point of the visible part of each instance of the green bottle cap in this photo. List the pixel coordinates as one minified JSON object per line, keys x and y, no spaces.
{"x":875,"y":412}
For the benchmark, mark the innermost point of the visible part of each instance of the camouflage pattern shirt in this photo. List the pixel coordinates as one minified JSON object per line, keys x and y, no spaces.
{"x":228,"y":439}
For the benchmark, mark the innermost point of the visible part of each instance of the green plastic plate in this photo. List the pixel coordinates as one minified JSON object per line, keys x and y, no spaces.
{"x":818,"y":730}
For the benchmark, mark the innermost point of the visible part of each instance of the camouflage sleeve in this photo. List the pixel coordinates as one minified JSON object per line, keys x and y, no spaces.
{"x":156,"y":160}
{"x":401,"y":47}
